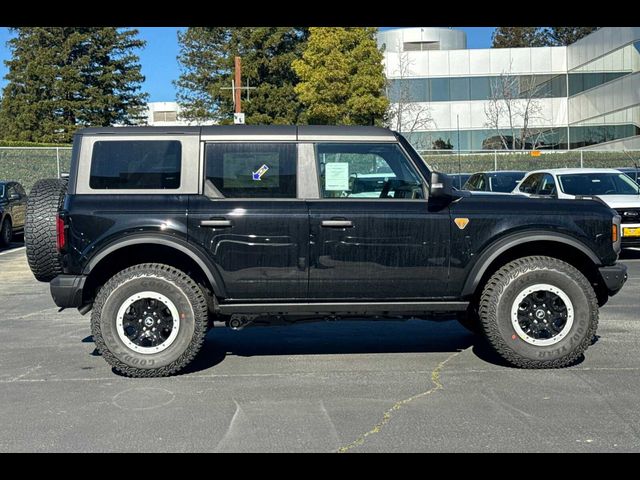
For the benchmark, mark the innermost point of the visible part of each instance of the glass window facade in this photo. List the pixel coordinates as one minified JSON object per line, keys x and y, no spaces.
{"x":487,"y":139}
{"x":606,"y":128}
{"x":475,"y":88}
{"x":619,"y":63}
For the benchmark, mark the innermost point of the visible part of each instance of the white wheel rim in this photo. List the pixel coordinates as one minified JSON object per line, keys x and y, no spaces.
{"x":142,"y":296}
{"x":515,"y":311}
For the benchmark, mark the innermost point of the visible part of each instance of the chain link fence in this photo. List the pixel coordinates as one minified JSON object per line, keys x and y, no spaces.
{"x":471,"y":161}
{"x":29,"y":164}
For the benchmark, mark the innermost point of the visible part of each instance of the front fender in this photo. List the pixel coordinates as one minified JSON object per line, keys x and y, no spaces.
{"x":497,"y":248}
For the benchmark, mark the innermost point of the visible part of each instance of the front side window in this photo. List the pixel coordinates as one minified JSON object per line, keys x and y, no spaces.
{"x":531,"y":183}
{"x":548,"y":185}
{"x":136,"y":164}
{"x":367,"y":170}
{"x":251,"y":170}
{"x":598,"y":184}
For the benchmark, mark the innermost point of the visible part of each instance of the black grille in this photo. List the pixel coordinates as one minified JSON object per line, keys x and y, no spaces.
{"x":629,"y":215}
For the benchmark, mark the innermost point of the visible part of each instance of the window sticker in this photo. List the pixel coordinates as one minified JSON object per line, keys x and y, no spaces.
{"x":257,"y":176}
{"x":336,"y":176}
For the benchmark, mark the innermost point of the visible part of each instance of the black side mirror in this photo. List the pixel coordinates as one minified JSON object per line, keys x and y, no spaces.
{"x":442,"y":187}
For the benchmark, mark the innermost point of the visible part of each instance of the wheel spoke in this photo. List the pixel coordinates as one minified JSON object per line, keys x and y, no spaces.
{"x":541,"y":314}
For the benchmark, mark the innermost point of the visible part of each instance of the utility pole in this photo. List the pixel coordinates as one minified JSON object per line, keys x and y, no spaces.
{"x":236,"y":91}
{"x":238,"y":85}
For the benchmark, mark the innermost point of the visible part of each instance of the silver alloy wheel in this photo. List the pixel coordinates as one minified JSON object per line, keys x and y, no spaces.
{"x":148,"y":322}
{"x":542,"y":315}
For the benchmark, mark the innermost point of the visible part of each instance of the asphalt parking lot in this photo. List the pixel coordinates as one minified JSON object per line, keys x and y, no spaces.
{"x":327,"y":387}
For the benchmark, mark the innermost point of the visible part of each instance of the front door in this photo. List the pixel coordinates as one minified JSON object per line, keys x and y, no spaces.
{"x":250,"y":222}
{"x":373,"y":233}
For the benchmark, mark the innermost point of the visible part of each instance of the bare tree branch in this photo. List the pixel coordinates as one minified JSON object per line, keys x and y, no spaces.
{"x":404,"y":114}
{"x":515,"y":103}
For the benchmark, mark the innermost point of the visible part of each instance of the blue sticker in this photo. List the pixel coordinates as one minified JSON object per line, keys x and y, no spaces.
{"x":257,"y":176}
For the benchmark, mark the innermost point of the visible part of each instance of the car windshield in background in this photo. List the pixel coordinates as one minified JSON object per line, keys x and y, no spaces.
{"x":505,"y":182}
{"x":598,"y":184}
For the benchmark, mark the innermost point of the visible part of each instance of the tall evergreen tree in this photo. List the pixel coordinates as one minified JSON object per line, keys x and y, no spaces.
{"x":515,"y":37}
{"x":342,"y":77}
{"x":559,"y":36}
{"x":207,"y":58}
{"x":63,"y":78}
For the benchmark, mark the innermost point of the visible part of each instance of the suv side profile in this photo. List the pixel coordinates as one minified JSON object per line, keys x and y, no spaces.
{"x":160,"y":231}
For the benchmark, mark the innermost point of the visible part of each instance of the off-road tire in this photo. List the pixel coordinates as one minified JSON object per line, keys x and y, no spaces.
{"x":513,"y":278}
{"x":43,"y":204}
{"x":175,"y":285}
{"x":6,"y":232}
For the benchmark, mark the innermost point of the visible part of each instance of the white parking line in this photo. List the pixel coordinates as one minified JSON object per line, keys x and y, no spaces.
{"x":12,"y":250}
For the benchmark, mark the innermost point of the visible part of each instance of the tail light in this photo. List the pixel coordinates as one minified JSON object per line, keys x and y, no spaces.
{"x":61,"y":238}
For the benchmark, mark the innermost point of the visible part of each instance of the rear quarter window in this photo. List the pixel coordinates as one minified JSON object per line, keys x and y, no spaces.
{"x":136,"y":165}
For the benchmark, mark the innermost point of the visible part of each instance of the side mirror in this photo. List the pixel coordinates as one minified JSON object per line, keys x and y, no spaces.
{"x":442,"y":187}
{"x":14,"y":196}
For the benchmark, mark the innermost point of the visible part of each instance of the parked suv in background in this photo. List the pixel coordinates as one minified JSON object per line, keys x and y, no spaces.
{"x":615,"y":188}
{"x":162,"y":230}
{"x":13,"y":207}
{"x":496,"y":182}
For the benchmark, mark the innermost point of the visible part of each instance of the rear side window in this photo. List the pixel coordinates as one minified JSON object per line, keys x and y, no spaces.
{"x":251,"y":170}
{"x":136,"y":164}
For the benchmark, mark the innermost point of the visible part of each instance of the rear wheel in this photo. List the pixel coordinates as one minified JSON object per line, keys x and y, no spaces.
{"x":6,"y":232}
{"x":149,"y":320}
{"x":539,"y":312}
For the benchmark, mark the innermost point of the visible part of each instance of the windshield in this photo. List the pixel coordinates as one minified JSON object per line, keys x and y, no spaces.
{"x":505,"y":182}
{"x":598,"y":184}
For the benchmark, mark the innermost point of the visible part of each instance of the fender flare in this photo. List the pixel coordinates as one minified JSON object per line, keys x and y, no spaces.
{"x":494,"y":250}
{"x":176,"y":243}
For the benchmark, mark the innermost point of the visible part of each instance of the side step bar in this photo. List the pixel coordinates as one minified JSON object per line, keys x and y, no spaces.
{"x":406,"y":308}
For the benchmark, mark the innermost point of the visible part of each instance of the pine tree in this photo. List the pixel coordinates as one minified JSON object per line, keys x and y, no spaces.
{"x":63,"y":78}
{"x":207,"y":58}
{"x":559,"y":36}
{"x":341,"y":77}
{"x":516,"y":37}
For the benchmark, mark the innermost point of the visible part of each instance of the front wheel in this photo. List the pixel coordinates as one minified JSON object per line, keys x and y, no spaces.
{"x":6,"y":232}
{"x":539,"y":312}
{"x":149,"y":320}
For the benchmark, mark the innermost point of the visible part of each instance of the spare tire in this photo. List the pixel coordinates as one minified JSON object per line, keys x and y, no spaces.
{"x":43,"y":204}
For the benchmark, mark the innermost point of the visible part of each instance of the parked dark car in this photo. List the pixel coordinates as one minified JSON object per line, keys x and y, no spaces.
{"x":459,"y":179}
{"x":162,"y":233}
{"x":634,"y":173}
{"x":497,"y":182}
{"x":13,"y":208}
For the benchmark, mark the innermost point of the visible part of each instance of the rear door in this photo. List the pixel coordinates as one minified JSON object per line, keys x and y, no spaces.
{"x":18,"y":205}
{"x":374,"y":235}
{"x":250,"y":221}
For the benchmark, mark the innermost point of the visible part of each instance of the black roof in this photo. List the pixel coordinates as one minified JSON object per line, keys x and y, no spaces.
{"x":292,"y":130}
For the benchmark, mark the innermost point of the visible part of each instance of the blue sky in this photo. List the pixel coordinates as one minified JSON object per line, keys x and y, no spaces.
{"x":160,"y":67}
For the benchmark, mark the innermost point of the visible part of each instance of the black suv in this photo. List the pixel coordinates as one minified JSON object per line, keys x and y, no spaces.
{"x":13,"y":207}
{"x":160,"y":231}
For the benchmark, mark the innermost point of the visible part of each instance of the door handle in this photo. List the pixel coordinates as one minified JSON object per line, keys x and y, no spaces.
{"x":219,"y":223}
{"x":337,"y":223}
